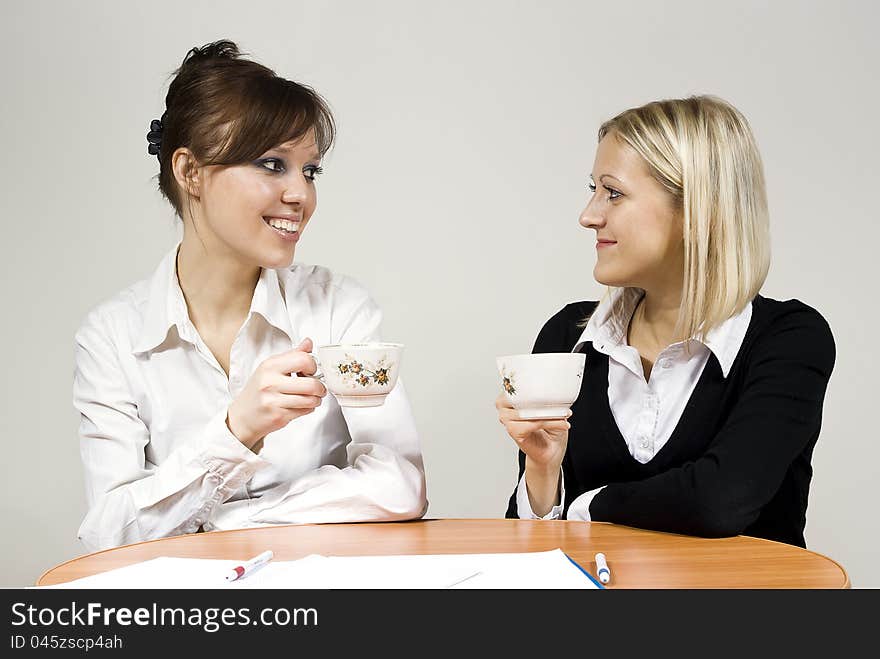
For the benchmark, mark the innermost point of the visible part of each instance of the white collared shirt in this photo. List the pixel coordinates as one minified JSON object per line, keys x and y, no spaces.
{"x":159,"y":459}
{"x":646,"y":411}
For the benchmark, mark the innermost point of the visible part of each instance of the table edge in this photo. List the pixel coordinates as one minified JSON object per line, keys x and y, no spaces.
{"x":847,"y":584}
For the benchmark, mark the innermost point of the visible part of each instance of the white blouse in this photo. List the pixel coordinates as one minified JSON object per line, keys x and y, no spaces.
{"x":159,"y":459}
{"x":646,"y":411}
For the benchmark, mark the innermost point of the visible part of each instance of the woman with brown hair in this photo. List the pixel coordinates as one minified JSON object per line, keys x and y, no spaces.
{"x":197,"y":412}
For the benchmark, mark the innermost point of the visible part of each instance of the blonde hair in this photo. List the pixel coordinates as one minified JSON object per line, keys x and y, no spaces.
{"x":702,"y":151}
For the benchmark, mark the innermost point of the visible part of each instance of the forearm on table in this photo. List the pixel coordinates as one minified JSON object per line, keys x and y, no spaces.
{"x":131,"y":500}
{"x":378,"y":485}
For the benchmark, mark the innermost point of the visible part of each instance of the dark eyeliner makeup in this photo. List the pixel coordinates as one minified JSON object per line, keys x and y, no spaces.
{"x":273,"y":165}
{"x":313,"y":171}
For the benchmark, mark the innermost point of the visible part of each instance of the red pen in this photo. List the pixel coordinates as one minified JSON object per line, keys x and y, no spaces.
{"x":247,"y":567}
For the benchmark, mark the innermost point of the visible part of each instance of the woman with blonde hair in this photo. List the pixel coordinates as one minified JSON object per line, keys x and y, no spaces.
{"x":701,"y":400}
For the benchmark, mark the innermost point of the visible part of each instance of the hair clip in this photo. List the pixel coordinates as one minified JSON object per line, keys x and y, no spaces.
{"x":154,"y":137}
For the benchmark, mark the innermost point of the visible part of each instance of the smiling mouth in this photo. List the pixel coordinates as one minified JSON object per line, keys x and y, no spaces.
{"x":283,"y":225}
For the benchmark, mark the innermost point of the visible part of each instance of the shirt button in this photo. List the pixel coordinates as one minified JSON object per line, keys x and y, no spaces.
{"x":667,"y":364}
{"x":645,"y":444}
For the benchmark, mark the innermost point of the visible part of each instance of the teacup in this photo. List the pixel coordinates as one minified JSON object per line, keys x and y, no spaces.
{"x":543,"y":385}
{"x":360,"y":374}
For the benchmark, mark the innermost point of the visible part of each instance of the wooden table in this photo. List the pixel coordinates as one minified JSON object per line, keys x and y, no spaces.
{"x":637,"y":558}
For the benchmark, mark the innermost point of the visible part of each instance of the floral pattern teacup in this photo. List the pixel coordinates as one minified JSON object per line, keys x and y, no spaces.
{"x":360,"y":374}
{"x":541,"y":386}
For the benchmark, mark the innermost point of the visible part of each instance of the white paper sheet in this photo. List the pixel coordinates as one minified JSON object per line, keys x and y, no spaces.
{"x":548,"y":569}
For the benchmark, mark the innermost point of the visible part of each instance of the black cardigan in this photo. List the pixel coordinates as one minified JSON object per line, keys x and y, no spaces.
{"x":738,"y":462}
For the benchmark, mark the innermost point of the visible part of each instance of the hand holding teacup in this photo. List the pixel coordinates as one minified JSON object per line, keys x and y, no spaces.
{"x":534,"y":405}
{"x":274,"y":395}
{"x":535,"y":402}
{"x":542,"y":440}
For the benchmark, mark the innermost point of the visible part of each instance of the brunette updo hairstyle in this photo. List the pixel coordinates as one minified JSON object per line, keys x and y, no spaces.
{"x":229,"y":110}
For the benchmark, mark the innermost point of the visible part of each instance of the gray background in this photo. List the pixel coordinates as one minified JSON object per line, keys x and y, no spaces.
{"x":466,"y":133}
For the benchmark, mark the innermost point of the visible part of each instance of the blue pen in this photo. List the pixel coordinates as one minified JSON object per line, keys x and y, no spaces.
{"x":586,"y":574}
{"x":602,"y":570}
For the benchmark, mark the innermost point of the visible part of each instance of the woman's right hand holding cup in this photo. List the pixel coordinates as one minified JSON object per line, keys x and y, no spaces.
{"x":275,"y":395}
{"x":544,"y":442}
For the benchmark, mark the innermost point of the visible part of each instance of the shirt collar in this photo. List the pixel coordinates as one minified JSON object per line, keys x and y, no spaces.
{"x":166,"y":307}
{"x":609,"y":321}
{"x":725,"y":340}
{"x":608,"y":325}
{"x":269,"y":301}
